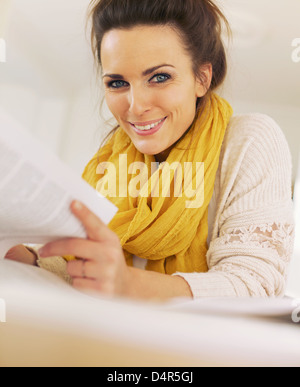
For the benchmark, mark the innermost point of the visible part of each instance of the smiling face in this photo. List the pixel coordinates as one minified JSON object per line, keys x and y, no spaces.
{"x":150,"y":86}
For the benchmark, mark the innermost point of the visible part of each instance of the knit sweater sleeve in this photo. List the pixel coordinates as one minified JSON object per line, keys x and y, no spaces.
{"x":253,"y":231}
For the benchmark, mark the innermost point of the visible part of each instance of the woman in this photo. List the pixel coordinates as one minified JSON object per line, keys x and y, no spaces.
{"x":161,"y":62}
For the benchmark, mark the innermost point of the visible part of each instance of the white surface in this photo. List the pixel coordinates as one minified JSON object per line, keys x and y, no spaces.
{"x":2,"y":50}
{"x":252,"y":307}
{"x":37,"y":297}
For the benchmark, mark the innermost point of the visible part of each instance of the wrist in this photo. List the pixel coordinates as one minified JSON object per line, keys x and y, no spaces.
{"x":130,"y":283}
{"x":149,"y":285}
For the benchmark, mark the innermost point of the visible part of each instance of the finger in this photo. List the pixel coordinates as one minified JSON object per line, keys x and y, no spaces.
{"x":80,"y":248}
{"x":95,"y":228}
{"x":83,"y":269}
{"x":99,"y":270}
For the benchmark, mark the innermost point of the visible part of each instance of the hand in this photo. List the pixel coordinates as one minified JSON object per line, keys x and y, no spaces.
{"x":102,"y":267}
{"x":21,"y":254}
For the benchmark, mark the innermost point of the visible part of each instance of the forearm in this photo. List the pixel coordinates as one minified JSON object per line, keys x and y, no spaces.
{"x":149,"y":285}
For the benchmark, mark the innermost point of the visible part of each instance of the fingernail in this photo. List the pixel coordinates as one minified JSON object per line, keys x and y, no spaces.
{"x":77,"y":205}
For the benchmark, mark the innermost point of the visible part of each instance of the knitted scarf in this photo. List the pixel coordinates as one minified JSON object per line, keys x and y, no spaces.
{"x":163,"y":211}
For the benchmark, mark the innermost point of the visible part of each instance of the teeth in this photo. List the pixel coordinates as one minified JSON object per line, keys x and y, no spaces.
{"x":148,"y":127}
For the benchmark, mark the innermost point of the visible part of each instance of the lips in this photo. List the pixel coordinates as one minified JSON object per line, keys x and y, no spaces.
{"x":148,"y":128}
{"x":147,"y":125}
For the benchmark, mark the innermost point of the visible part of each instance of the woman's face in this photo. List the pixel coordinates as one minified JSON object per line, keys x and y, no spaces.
{"x":150,"y":86}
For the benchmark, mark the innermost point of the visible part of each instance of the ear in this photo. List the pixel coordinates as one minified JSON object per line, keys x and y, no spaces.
{"x":204,"y":80}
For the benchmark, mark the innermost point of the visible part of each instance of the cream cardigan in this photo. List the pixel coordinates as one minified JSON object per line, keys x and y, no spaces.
{"x":251,"y":224}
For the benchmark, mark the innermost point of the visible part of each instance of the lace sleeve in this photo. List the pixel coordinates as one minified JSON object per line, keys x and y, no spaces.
{"x":277,"y":237}
{"x":248,"y":261}
{"x":255,"y":258}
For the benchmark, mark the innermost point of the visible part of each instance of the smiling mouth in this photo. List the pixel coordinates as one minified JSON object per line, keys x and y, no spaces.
{"x":149,"y":126}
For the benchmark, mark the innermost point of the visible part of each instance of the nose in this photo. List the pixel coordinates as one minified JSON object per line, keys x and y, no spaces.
{"x":139,"y":101}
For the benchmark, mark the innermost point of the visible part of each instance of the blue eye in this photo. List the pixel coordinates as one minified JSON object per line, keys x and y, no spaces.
{"x":161,"y":78}
{"x":116,"y":84}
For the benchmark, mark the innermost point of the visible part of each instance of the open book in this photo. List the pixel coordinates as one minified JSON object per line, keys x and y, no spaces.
{"x":36,"y":190}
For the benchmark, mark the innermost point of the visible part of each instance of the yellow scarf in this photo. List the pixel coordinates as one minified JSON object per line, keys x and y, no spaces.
{"x":167,"y":231}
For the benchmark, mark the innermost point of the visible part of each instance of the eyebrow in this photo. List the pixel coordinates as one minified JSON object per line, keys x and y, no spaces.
{"x":146,"y":72}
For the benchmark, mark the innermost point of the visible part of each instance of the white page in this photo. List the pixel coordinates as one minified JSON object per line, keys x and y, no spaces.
{"x":36,"y":190}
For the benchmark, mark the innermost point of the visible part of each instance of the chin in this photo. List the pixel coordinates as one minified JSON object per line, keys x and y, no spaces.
{"x":149,"y":152}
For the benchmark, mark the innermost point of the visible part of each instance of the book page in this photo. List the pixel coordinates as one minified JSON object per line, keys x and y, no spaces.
{"x":36,"y":190}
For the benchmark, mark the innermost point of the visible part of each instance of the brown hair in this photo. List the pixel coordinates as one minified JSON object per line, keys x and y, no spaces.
{"x":198,"y":22}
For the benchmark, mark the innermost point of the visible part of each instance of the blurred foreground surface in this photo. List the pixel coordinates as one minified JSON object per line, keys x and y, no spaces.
{"x":48,"y":323}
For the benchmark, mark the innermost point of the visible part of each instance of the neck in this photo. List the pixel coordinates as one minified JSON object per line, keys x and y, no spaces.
{"x":162,"y":157}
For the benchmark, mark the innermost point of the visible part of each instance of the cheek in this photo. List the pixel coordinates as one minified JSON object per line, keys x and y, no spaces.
{"x":116,"y":104}
{"x":182,"y":103}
